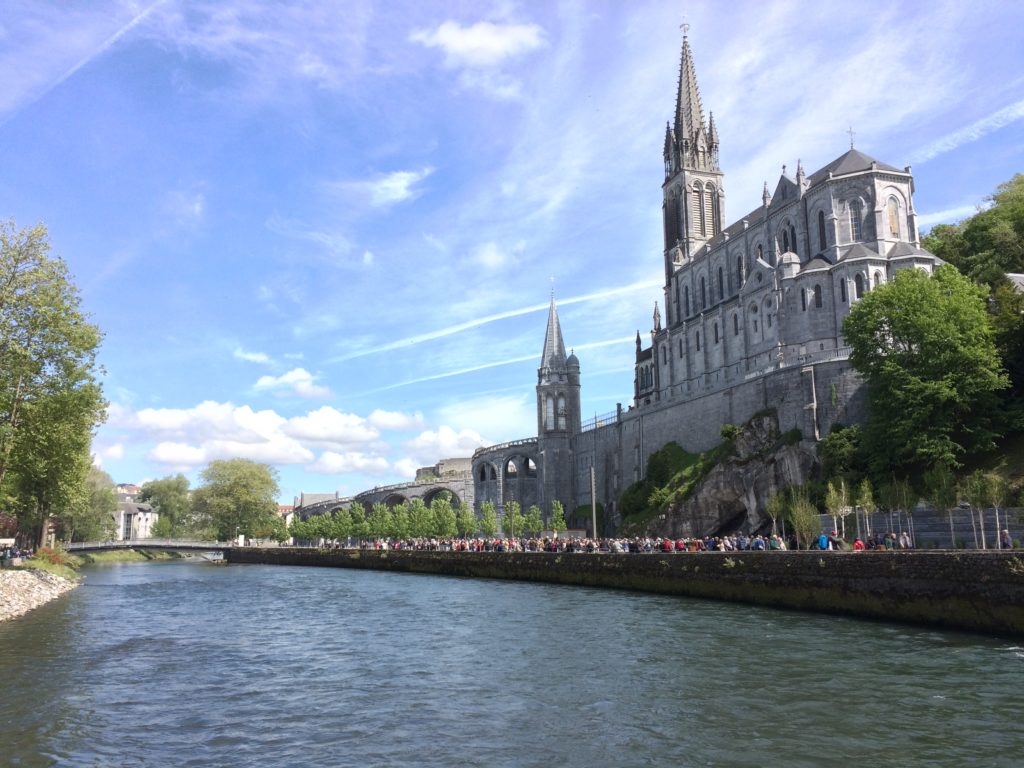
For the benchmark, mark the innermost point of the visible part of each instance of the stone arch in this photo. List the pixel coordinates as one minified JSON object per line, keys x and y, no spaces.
{"x":394,"y":499}
{"x":434,"y":493}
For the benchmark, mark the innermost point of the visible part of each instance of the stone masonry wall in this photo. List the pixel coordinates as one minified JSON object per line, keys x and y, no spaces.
{"x":979,"y":591}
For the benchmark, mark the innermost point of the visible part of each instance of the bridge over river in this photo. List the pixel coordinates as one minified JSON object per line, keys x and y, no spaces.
{"x":170,"y":545}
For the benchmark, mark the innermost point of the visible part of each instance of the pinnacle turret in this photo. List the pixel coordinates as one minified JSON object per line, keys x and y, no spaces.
{"x":554,"y":347}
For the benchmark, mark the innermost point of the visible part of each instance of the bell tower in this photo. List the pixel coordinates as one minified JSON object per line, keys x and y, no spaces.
{"x":694,"y":199}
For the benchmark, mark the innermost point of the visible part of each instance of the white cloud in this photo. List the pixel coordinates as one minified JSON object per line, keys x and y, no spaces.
{"x":433,"y":445}
{"x":297,"y":381}
{"x":490,"y":256}
{"x":332,"y":463}
{"x":367,"y":258}
{"x":328,"y":425}
{"x":382,"y":191}
{"x":949,"y":216}
{"x":251,"y":357}
{"x":395,"y":420}
{"x":406,"y":468}
{"x":178,"y":455}
{"x":483,"y":44}
{"x":500,"y":417}
{"x":115,"y":451}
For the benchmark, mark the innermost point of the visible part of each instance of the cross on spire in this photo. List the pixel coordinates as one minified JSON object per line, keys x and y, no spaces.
{"x":852,"y":134}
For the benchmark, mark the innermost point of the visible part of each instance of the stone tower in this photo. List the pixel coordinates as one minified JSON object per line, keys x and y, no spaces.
{"x":694,"y":200}
{"x":558,"y":415}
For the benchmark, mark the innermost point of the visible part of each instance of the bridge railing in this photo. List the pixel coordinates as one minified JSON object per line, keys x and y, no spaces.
{"x":151,"y":543}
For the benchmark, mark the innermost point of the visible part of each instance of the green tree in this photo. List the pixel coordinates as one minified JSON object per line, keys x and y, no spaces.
{"x":837,"y":502}
{"x":379,"y":522}
{"x":47,"y":345}
{"x":357,"y":522}
{"x":239,"y":496}
{"x":401,"y":526}
{"x":421,"y":521}
{"x":169,"y":498}
{"x":533,"y":523}
{"x":557,"y":522}
{"x":925,"y":348}
{"x":93,"y":519}
{"x":840,"y":454}
{"x":866,"y":501}
{"x":488,"y":519}
{"x":803,"y":518}
{"x":466,"y":521}
{"x":512,"y":520}
{"x":775,"y":508}
{"x":940,"y":485}
{"x":976,"y":489}
{"x":445,"y":519}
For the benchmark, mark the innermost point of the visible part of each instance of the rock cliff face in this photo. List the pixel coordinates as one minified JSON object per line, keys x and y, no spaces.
{"x":732,"y":496}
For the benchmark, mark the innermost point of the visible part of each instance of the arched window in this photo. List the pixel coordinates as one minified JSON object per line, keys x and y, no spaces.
{"x":894,"y":218}
{"x":721,"y":285}
{"x":697,"y":209}
{"x":561,"y":412}
{"x":739,"y":272}
{"x":760,"y":252}
{"x":803,"y":299}
{"x":768,"y":319}
{"x":680,"y":346}
{"x":716,"y":333}
{"x":817,"y":297}
{"x":822,"y":241}
{"x":856,"y":228}
{"x":792,"y":237}
{"x":703,"y":294}
{"x":785,"y":241}
{"x":842,"y":289}
{"x":549,"y":420}
{"x":878,"y":279}
{"x":696,"y":337}
{"x":709,"y":210}
{"x":664,"y":355}
{"x":858,"y":285}
{"x":686,"y":301}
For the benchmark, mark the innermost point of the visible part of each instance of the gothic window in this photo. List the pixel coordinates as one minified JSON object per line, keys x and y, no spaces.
{"x":710,"y":212}
{"x":822,"y":243}
{"x":842,"y":289}
{"x":561,"y":412}
{"x":735,"y":325}
{"x":768,"y":319}
{"x":858,"y":286}
{"x":549,"y":412}
{"x":703,"y":294}
{"x":680,"y":346}
{"x":739,"y":272}
{"x":716,"y":333}
{"x":878,"y":279}
{"x":803,"y":299}
{"x":785,"y":241}
{"x":817,"y":297}
{"x":697,"y":210}
{"x":856,"y":228}
{"x":721,"y":285}
{"x":792,"y":237}
{"x":755,"y":326}
{"x":760,"y":251}
{"x":697,"y":339}
{"x":894,"y":218}
{"x":686,"y":301}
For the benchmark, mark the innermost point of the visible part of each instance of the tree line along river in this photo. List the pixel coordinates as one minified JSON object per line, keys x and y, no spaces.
{"x":193,"y":664}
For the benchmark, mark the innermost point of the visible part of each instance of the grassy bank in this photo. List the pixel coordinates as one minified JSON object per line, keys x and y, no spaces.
{"x":120,"y":556}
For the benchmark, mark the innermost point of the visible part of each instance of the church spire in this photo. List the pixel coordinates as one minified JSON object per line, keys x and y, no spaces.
{"x":554,"y":347}
{"x":689,"y":112}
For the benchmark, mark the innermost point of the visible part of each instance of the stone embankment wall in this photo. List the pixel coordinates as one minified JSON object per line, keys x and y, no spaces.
{"x":21,"y":591}
{"x":978,"y":591}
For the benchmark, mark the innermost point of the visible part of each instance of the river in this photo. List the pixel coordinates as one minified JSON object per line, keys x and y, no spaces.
{"x":191,"y":664}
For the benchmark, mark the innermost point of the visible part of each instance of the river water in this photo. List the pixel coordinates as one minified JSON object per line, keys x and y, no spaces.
{"x":189,"y":664}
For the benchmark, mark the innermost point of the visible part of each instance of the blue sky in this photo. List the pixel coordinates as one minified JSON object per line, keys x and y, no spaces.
{"x":323,"y":235}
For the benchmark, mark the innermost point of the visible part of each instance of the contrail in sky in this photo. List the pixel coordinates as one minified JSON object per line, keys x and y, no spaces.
{"x":496,"y":364}
{"x":477,"y":322}
{"x":972,"y":132}
{"x":103,"y":48}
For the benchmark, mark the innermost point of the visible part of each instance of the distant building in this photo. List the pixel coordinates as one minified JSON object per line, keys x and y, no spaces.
{"x":134,"y":520}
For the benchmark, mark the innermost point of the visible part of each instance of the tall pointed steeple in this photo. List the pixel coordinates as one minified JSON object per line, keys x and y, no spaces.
{"x":689,"y":112}
{"x":554,"y":348}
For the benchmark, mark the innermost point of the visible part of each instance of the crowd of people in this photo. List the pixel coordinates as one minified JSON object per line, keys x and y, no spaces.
{"x":738,"y":542}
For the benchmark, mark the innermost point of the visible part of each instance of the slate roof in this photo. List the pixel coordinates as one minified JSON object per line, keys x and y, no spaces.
{"x":852,"y":161}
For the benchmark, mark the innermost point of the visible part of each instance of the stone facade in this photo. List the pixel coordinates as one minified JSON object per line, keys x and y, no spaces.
{"x":753,"y":319}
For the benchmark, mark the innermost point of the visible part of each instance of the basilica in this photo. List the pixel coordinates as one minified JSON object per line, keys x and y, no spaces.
{"x":752,"y":321}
